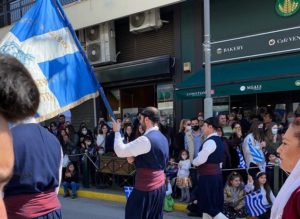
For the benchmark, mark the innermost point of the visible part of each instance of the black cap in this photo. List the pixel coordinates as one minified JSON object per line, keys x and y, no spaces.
{"x":213,"y":122}
{"x":152,"y":113}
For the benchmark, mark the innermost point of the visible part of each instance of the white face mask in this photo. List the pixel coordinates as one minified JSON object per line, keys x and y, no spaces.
{"x":84,"y":132}
{"x":188,"y":127}
{"x":274,"y":131}
{"x":183,"y":157}
{"x":290,"y":120}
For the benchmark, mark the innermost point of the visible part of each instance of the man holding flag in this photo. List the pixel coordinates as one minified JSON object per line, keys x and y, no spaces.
{"x":150,"y":152}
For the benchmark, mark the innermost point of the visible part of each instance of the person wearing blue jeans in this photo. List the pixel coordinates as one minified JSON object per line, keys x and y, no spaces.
{"x":70,"y":181}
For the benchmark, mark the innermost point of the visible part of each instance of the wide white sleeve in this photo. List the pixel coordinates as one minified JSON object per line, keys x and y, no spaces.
{"x":139,"y":146}
{"x":208,"y":148}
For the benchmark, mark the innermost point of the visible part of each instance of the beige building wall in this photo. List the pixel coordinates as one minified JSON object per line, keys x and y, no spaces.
{"x":86,"y":13}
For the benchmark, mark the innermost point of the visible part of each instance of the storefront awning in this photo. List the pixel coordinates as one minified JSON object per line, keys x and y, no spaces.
{"x":281,"y":73}
{"x":145,"y":68}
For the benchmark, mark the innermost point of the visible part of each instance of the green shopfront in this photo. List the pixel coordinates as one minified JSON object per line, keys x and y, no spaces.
{"x":255,"y":56}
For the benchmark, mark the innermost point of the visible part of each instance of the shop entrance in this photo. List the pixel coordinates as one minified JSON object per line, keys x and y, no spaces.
{"x":134,"y":98}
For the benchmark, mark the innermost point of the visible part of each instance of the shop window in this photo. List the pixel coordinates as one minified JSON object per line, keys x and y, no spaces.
{"x":165,"y":101}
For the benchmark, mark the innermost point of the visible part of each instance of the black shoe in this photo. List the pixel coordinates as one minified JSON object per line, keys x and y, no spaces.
{"x":66,"y":195}
{"x":193,"y":214}
{"x":74,"y":196}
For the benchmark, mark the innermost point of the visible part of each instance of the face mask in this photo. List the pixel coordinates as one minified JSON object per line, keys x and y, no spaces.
{"x":184,"y":157}
{"x":188,"y":127}
{"x":84,"y":132}
{"x":290,"y":120}
{"x":274,"y":131}
{"x":195,"y":128}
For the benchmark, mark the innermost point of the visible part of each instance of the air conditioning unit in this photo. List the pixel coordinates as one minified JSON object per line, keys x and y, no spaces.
{"x":100,"y":43}
{"x":145,"y":21}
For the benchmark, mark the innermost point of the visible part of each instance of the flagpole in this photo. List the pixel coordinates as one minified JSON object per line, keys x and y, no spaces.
{"x":99,"y":87}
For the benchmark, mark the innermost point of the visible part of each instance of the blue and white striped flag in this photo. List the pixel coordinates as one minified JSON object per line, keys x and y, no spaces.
{"x":127,"y":190}
{"x":44,"y":41}
{"x":254,"y":204}
{"x":258,"y":156}
{"x":241,"y":158}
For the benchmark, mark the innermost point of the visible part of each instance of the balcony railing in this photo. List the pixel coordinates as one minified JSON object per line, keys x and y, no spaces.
{"x":12,"y":10}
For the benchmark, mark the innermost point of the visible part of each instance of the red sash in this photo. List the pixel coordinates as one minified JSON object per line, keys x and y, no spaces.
{"x":209,"y":169}
{"x":26,"y":206}
{"x":147,"y":180}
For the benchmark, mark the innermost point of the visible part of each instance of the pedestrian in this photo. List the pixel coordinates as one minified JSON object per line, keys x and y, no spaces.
{"x":183,"y":181}
{"x":150,"y":152}
{"x":210,"y":195}
{"x":71,"y":181}
{"x":19,"y":99}
{"x":286,"y":205}
{"x":261,"y":185}
{"x":32,"y":190}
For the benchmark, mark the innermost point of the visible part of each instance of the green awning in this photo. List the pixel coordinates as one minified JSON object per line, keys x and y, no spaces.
{"x":280,"y":73}
{"x":151,"y":67}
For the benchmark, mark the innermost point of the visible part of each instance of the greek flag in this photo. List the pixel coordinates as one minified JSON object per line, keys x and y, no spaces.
{"x":127,"y":190}
{"x":257,"y":155}
{"x":254,"y":204}
{"x":241,"y":158}
{"x":45,"y":42}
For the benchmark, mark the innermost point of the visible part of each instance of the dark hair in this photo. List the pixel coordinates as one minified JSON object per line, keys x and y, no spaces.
{"x":258,"y":136}
{"x":213,"y":122}
{"x":194,"y":119}
{"x":234,"y":124}
{"x":266,"y":186}
{"x":19,"y":94}
{"x":152,"y":113}
{"x":187,"y":152}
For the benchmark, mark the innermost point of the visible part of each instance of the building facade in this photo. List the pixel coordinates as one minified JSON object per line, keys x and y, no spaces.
{"x":152,"y":54}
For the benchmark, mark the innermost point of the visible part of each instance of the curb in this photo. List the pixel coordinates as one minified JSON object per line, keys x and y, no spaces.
{"x":114,"y":198}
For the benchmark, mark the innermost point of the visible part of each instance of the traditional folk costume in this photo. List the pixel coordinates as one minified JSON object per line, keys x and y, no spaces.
{"x":287,"y":202}
{"x":210,"y":185}
{"x":32,"y":190}
{"x":151,"y":154}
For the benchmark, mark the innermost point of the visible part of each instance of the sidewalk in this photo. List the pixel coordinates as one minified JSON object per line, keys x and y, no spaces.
{"x":112,"y":194}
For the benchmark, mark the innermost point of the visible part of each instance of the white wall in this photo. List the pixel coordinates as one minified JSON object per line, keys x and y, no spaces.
{"x":89,"y":12}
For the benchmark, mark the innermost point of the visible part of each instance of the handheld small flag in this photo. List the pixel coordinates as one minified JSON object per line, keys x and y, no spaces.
{"x":257,"y":155}
{"x":241,"y":158}
{"x":254,"y":204}
{"x":45,"y":42}
{"x":127,"y":190}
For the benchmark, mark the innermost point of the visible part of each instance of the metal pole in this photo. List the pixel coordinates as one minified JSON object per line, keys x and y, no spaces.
{"x":208,"y":102}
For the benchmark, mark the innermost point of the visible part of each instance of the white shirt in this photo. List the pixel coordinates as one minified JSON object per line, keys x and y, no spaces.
{"x":264,"y":194}
{"x":141,"y":145}
{"x":184,"y":168}
{"x":208,"y":148}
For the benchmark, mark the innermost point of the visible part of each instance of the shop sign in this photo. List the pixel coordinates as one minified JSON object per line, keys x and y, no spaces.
{"x":198,"y":93}
{"x":287,"y":8}
{"x":257,"y":45}
{"x":253,"y":87}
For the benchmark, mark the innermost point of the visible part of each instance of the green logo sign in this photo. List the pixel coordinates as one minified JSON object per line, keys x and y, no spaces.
{"x":287,"y":8}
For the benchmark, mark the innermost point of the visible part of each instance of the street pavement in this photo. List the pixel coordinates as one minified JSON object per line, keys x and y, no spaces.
{"x":83,"y":208}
